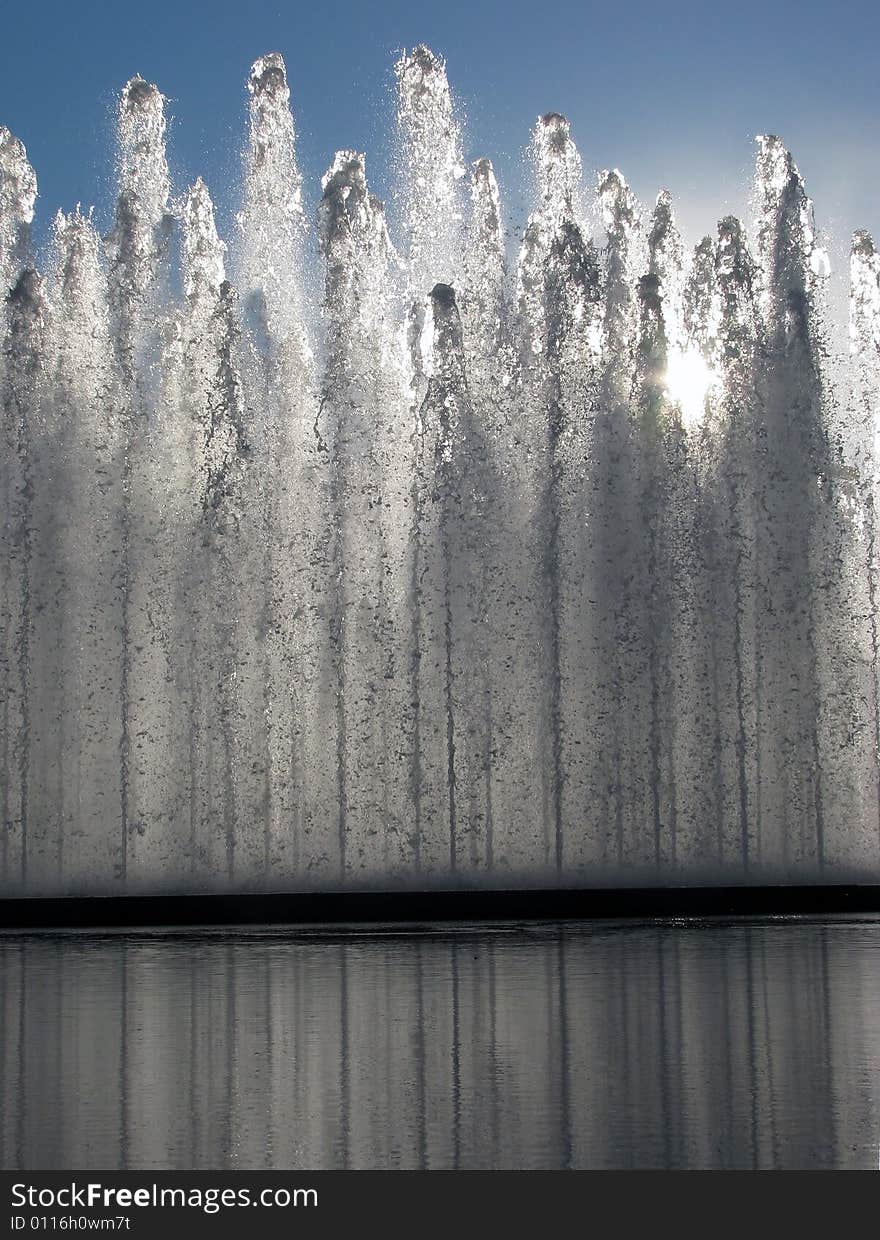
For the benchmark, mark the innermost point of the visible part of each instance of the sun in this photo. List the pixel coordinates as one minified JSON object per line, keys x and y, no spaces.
{"x":689,"y":378}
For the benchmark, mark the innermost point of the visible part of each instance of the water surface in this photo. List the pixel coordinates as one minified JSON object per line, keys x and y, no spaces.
{"x":673,"y":1044}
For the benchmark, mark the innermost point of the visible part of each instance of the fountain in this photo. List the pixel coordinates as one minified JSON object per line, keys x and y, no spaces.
{"x":445,"y":574}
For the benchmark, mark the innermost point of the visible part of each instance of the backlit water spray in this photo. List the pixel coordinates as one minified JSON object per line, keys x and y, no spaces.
{"x":441,"y":569}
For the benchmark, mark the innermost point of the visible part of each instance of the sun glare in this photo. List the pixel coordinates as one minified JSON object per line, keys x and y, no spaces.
{"x":688,"y":380}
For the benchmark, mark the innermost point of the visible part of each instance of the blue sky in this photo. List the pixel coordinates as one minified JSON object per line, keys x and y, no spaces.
{"x":671,"y":93}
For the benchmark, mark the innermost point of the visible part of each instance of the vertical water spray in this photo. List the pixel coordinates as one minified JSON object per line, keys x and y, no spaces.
{"x":18,"y":193}
{"x":138,"y":256}
{"x":650,"y":615}
{"x":621,"y":216}
{"x":681,"y":703}
{"x":558,"y":292}
{"x":219,"y":605}
{"x":446,"y":573}
{"x":704,"y":616}
{"x":732,"y":478}
{"x":365,"y":396}
{"x":485,"y":270}
{"x":85,"y":603}
{"x":789,"y":533}
{"x":272,"y":220}
{"x":293,"y":443}
{"x":24,"y":374}
{"x":864,"y":330}
{"x":449,"y":499}
{"x":433,"y":171}
{"x":137,"y":247}
{"x":505,"y":678}
{"x":614,"y":470}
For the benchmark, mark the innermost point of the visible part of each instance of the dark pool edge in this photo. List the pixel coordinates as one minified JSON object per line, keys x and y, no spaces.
{"x":310,"y":908}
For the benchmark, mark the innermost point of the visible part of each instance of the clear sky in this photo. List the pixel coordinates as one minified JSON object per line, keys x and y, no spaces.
{"x":672,"y":93}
